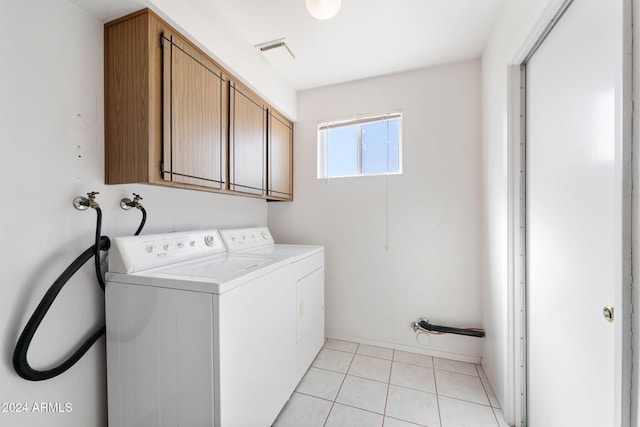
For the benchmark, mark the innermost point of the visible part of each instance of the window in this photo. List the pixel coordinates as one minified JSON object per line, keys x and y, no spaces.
{"x":370,"y":145}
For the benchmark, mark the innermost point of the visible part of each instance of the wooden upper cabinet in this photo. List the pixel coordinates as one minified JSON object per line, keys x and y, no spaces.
{"x":195,"y":116}
{"x":247,"y":141}
{"x":165,"y":107}
{"x":174,"y":117}
{"x":132,"y":88}
{"x":280,"y":157}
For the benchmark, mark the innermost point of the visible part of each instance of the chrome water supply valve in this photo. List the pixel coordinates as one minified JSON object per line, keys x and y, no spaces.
{"x":83,"y":203}
{"x":127,"y":203}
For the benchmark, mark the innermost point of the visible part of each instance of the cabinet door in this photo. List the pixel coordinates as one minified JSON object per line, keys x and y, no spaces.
{"x":247,"y":142}
{"x":280,"y":157}
{"x":194,"y":117}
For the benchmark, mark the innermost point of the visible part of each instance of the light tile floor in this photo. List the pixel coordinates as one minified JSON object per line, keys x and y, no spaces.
{"x":358,"y":385}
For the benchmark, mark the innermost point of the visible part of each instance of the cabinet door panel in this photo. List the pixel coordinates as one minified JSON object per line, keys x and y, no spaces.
{"x":194,"y":120}
{"x":247,"y":144}
{"x":280,"y":158}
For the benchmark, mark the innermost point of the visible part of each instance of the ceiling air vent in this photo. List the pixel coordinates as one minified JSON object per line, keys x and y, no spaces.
{"x":276,"y":51}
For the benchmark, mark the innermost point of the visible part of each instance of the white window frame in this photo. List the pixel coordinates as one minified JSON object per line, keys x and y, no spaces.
{"x":358,"y":121}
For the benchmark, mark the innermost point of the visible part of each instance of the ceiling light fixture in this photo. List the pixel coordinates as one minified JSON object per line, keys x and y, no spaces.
{"x":323,"y":9}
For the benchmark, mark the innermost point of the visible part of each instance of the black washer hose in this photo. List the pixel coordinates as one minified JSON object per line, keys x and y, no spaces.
{"x":142,"y":222}
{"x":20,"y":363}
{"x":424,"y":324}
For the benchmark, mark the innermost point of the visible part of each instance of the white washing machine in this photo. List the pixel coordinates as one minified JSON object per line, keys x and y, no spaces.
{"x":201,"y":336}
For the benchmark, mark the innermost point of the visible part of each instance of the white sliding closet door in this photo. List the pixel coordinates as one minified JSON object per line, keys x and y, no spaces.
{"x":575,"y":219}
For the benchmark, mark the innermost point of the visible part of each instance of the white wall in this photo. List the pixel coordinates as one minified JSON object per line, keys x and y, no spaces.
{"x":635,"y":209}
{"x":51,"y":117}
{"x":432,"y":267}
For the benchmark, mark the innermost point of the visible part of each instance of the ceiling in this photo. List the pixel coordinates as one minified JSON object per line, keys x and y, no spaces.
{"x":366,"y":38}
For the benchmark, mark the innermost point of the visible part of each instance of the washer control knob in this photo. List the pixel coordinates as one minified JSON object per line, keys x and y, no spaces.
{"x":166,"y":246}
{"x":192,"y":243}
{"x":151,"y":248}
{"x":180,"y":245}
{"x":208,"y":240}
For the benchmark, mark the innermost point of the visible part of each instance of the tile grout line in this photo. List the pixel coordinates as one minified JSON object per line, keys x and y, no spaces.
{"x":357,"y":408}
{"x":314,"y":396}
{"x":485,"y":391}
{"x":495,"y":404}
{"x":340,"y":388}
{"x":495,"y":416}
{"x":493,"y":411}
{"x":460,"y":400}
{"x":386,"y":399}
{"x":435,"y":384}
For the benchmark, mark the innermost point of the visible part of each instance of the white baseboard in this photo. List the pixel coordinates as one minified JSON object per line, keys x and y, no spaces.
{"x":470,"y":357}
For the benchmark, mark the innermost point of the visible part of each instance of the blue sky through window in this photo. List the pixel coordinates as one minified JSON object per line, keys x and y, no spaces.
{"x":361,"y":147}
{"x":380,"y":147}
{"x":341,"y":151}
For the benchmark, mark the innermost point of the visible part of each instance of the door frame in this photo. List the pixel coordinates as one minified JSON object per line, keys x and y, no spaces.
{"x":515,"y":399}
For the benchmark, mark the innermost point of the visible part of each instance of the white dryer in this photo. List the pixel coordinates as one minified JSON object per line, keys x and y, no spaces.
{"x":198,"y":335}
{"x":307,"y":269}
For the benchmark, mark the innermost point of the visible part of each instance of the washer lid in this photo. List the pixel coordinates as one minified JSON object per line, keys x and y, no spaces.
{"x":219,"y":269}
{"x":217,"y":274}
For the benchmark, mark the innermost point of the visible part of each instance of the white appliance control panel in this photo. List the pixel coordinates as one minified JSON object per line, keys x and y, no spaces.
{"x":131,"y":254}
{"x":239,"y":239}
